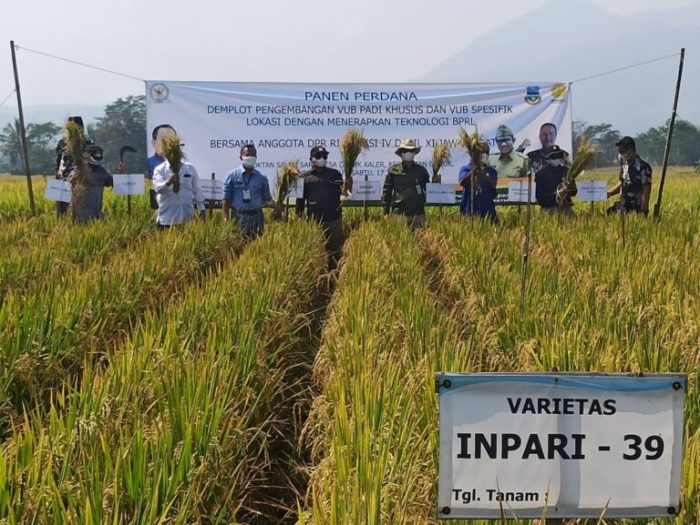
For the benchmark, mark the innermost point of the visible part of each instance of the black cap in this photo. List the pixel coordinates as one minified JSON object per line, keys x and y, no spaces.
{"x":555,"y":153}
{"x":318,"y":149}
{"x":626,"y":143}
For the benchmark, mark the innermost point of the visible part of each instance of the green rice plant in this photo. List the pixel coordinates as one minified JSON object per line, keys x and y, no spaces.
{"x":176,"y":424}
{"x":45,"y":338}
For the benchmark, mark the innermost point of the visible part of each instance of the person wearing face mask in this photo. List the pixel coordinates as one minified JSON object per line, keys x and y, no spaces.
{"x":635,"y":179}
{"x":86,"y":204}
{"x":548,"y":180}
{"x":246,"y":190}
{"x":405,"y":186}
{"x":548,"y":138}
{"x":322,"y":189}
{"x":508,"y":162}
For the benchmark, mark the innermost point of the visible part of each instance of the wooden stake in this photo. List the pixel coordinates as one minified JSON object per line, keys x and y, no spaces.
{"x":23,"y":132}
{"x":667,"y":149}
{"x":526,"y":244}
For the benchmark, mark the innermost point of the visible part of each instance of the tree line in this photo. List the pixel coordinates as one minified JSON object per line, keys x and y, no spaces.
{"x":124,"y":123}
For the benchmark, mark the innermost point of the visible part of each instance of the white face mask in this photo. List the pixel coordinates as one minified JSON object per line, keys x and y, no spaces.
{"x":319,"y":163}
{"x":408,"y":156}
{"x":249,"y":162}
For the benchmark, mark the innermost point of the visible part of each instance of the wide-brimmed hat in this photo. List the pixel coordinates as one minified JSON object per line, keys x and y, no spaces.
{"x":407,"y":144}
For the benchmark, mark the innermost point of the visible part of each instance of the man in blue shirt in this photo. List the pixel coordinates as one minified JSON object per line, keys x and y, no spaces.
{"x":157,"y":141}
{"x":246,"y":190}
{"x":484,"y":189}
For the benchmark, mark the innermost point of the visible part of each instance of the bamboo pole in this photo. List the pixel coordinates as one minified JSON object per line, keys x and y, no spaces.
{"x":667,"y":149}
{"x":23,"y":132}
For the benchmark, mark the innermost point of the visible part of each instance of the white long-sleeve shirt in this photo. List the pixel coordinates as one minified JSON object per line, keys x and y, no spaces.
{"x":176,"y":208}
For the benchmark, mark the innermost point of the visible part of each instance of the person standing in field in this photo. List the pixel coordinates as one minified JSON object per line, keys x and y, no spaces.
{"x":246,"y":191}
{"x":635,"y":179}
{"x":484,"y":188}
{"x":323,"y":187}
{"x":64,"y":163}
{"x":405,"y":186}
{"x":508,"y":162}
{"x":548,"y":180}
{"x":177,"y":194}
{"x":87,"y":198}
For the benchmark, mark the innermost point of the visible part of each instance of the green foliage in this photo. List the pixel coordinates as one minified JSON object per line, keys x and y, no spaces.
{"x":41,"y":139}
{"x":124,"y":123}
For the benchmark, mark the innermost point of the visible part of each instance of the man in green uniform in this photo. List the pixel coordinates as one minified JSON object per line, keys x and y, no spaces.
{"x":508,"y":162}
{"x":405,"y":186}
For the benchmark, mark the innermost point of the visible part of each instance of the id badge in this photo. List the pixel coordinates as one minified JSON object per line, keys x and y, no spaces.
{"x":246,"y":195}
{"x":419,"y":189}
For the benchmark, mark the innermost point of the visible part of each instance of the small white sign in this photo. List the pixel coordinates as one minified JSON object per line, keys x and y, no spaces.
{"x":440,"y":194}
{"x":212,"y":189}
{"x":129,"y":184}
{"x":370,"y":190}
{"x":517,"y":191}
{"x":297,"y":189}
{"x":58,"y":190}
{"x":560,"y":445}
{"x":592,"y":191}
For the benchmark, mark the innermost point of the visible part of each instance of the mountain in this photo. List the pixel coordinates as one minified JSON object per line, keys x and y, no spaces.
{"x":589,"y":40}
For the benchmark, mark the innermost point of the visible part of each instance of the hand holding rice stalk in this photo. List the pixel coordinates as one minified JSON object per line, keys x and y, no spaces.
{"x":172,"y":151}
{"x":441,"y":157}
{"x":351,"y":145}
{"x":75,"y":148}
{"x":287,"y":176}
{"x":475,"y":146}
{"x":585,"y":153}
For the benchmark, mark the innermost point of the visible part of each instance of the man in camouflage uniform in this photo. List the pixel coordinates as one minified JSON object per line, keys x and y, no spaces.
{"x":405,"y":186}
{"x":635,"y":179}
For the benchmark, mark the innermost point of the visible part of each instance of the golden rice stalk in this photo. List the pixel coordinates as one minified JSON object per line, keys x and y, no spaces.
{"x":441,"y":156}
{"x":476,"y":147}
{"x":351,"y":145}
{"x":75,"y":148}
{"x":287,"y":176}
{"x":585,"y":154}
{"x":172,"y":151}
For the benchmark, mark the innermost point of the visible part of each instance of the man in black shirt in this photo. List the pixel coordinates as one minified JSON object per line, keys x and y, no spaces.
{"x":548,"y":137}
{"x":635,"y":179}
{"x":547,"y":182}
{"x":322,"y":190}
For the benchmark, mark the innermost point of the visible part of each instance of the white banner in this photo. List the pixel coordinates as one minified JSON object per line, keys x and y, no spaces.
{"x":58,"y":190}
{"x":129,"y":184}
{"x":284,"y":120}
{"x":560,"y":445}
{"x":592,"y":191}
{"x":517,"y":191}
{"x":370,"y":190}
{"x":440,"y":194}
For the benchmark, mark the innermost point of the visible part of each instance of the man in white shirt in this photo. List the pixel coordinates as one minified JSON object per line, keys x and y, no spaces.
{"x":177,"y":207}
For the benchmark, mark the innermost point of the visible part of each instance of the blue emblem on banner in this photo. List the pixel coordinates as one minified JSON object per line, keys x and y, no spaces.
{"x":532,"y":95}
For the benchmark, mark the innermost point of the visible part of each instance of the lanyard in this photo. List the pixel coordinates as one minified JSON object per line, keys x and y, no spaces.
{"x":249,"y":179}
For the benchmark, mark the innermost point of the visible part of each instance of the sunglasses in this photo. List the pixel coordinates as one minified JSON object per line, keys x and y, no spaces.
{"x":320,"y":156}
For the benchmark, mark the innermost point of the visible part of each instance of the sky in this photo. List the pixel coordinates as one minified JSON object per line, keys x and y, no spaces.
{"x":266,"y":40}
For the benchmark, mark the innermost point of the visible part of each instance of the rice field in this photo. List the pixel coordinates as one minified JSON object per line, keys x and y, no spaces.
{"x":188,"y":377}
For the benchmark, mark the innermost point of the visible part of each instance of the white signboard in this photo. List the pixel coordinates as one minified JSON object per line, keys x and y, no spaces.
{"x":592,"y":191}
{"x":517,"y":191}
{"x":130,"y":184}
{"x":285,"y":120}
{"x":370,"y":190}
{"x":560,"y":445}
{"x":212,"y":189}
{"x":58,"y":190}
{"x":440,"y":194}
